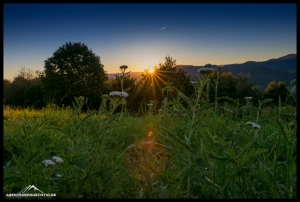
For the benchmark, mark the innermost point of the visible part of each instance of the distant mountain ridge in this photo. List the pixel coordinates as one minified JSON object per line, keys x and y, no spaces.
{"x":261,"y":73}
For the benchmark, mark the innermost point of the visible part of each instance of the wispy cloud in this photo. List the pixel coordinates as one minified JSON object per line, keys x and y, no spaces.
{"x":163,"y":28}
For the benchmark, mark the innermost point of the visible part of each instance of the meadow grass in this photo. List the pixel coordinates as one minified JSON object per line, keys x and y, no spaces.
{"x":204,"y":150}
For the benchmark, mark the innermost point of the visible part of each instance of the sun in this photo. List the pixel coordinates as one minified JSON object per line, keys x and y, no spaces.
{"x":154,"y":79}
{"x":151,"y":70}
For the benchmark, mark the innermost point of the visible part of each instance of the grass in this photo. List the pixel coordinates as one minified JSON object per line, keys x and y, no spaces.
{"x":206,"y":150}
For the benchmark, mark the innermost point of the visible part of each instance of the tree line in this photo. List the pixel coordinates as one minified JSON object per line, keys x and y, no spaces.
{"x":74,"y":70}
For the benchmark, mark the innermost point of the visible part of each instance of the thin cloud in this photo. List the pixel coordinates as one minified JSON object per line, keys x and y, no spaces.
{"x":162,"y":28}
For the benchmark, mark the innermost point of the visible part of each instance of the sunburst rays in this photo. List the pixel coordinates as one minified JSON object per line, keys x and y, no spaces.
{"x":154,"y":81}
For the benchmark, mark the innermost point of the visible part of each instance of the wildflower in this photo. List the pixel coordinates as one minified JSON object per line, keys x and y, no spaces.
{"x":113,"y":93}
{"x":193,"y":82}
{"x":150,"y":104}
{"x":116,"y":93}
{"x":160,"y":110}
{"x":57,"y":159}
{"x":205,"y":69}
{"x":248,"y":98}
{"x":124,"y":94}
{"x":123,"y":67}
{"x":48,"y":162}
{"x":254,"y":125}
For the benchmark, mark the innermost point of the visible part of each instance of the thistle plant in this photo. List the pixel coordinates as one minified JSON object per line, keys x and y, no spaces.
{"x":118,"y":98}
{"x":202,"y":81}
{"x":124,"y":74}
{"x":80,"y":101}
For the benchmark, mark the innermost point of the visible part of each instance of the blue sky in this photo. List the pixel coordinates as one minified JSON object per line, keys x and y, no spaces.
{"x":132,"y":34}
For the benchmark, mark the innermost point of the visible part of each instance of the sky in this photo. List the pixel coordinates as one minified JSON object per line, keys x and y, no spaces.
{"x":142,"y":35}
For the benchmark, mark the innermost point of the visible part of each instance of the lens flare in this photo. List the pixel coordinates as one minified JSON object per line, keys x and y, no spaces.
{"x":146,"y":159}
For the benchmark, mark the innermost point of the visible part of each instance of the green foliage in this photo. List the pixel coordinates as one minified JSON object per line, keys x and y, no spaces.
{"x":276,"y":90}
{"x":235,"y":87}
{"x":198,"y":151}
{"x":74,"y":71}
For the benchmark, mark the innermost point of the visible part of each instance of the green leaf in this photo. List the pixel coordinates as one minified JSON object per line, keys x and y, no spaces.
{"x":164,"y":192}
{"x":186,"y":140}
{"x":225,"y":98}
{"x":8,"y":180}
{"x":266,"y":101}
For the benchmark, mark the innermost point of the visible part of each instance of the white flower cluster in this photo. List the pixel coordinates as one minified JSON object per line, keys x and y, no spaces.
{"x":193,"y":82}
{"x":205,"y":69}
{"x":248,"y":98}
{"x":48,"y":162}
{"x":254,"y":125}
{"x":151,"y":103}
{"x":55,"y":158}
{"x":117,"y":93}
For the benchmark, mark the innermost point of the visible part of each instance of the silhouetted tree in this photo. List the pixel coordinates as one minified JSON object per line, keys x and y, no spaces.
{"x":6,"y":82}
{"x":33,"y":97}
{"x":14,"y":91}
{"x":73,"y":71}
